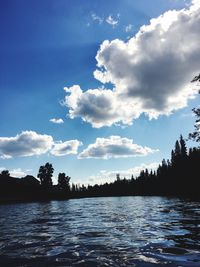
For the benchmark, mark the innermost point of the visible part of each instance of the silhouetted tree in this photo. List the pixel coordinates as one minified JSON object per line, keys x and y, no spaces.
{"x":45,"y":175}
{"x":196,"y":79}
{"x":176,"y":154}
{"x":177,"y":149}
{"x":183,"y":147}
{"x":196,"y":134}
{"x":173,"y":157}
{"x":118,"y":177}
{"x":63,"y":181}
{"x":5,"y":173}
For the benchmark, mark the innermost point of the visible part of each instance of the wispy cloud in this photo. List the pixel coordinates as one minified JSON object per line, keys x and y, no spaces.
{"x":128,"y":28}
{"x":97,"y":18}
{"x":56,"y":121}
{"x":110,"y":20}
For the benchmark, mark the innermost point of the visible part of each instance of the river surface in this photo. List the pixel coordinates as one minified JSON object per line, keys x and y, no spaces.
{"x":113,"y":231}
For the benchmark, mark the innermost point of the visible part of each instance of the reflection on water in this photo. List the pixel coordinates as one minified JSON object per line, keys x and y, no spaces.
{"x":118,"y":231}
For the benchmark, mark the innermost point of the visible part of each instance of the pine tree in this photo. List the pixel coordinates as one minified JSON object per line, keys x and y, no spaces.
{"x":177,"y":149}
{"x":118,"y":177}
{"x":196,"y":134}
{"x":173,"y":160}
{"x":63,"y":181}
{"x":183,"y":147}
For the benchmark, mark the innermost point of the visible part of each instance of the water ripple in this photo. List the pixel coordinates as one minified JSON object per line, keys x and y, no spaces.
{"x":121,"y":231}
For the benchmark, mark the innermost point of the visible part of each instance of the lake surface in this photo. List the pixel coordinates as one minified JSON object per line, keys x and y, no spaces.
{"x":113,"y":231}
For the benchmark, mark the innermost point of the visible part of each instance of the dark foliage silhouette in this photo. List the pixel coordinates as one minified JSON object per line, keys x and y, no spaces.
{"x":196,"y":78}
{"x":175,"y":177}
{"x":5,"y":173}
{"x":63,"y":182}
{"x":195,"y":135}
{"x":45,"y":175}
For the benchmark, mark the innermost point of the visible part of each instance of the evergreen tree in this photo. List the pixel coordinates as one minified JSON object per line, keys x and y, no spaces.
{"x":177,"y":153}
{"x":196,"y":134}
{"x":177,"y":149}
{"x":183,"y":147}
{"x":173,"y":158}
{"x":63,"y":181}
{"x":118,"y":177}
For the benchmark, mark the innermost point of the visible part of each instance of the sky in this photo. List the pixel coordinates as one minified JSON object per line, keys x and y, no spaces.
{"x":96,"y":87}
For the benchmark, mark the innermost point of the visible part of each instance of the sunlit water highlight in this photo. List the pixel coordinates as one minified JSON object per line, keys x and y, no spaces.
{"x":114,"y":231}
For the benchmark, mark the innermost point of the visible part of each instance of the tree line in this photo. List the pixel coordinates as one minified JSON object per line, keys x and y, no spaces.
{"x":30,"y":188}
{"x":177,"y":176}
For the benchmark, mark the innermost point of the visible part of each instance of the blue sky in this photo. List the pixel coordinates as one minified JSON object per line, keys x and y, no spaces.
{"x":132,"y":97}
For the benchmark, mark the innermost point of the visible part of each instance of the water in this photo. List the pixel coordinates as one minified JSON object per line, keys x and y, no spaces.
{"x":115,"y":231}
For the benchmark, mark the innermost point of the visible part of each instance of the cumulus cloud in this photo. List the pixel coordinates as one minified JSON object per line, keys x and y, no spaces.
{"x":30,"y":143}
{"x":114,"y":147}
{"x":97,"y":106}
{"x":105,"y":176}
{"x":150,"y":73}
{"x":65,"y":148}
{"x":56,"y":121}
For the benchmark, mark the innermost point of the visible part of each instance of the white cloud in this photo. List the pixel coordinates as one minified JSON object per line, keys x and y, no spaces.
{"x":114,"y":147}
{"x":57,"y":121}
{"x":98,"y":106}
{"x":105,"y":176}
{"x":150,"y":73}
{"x":110,"y":20}
{"x":16,"y":172}
{"x":196,"y":4}
{"x":97,"y":18}
{"x":30,"y":143}
{"x":128,"y":28}
{"x":65,"y":148}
